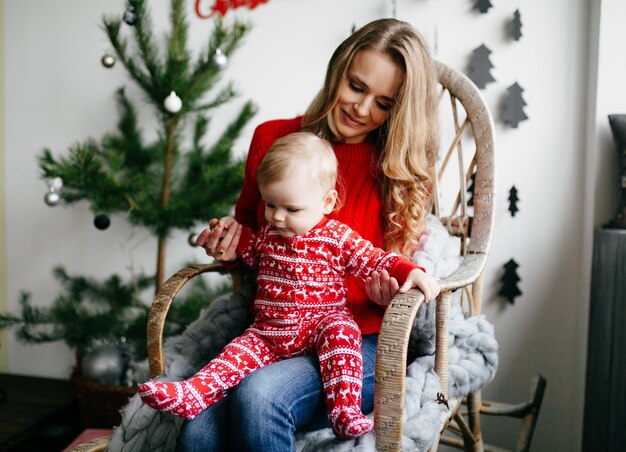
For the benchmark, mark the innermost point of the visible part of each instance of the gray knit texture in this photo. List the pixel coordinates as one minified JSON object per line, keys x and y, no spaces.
{"x":473,"y":360}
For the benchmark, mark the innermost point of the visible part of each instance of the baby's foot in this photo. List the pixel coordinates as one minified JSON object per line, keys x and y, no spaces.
{"x":350,"y":423}
{"x":180,"y":398}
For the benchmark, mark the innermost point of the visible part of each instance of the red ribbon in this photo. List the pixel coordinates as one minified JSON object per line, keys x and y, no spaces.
{"x":222,"y":6}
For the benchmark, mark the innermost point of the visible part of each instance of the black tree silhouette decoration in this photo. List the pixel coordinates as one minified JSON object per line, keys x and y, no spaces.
{"x":479,"y":66}
{"x":513,"y":111}
{"x":516,"y":26}
{"x":483,"y":5}
{"x":509,"y":281}
{"x":513,"y":200}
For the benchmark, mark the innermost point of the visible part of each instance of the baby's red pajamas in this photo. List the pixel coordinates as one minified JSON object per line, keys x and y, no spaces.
{"x":299,"y":308}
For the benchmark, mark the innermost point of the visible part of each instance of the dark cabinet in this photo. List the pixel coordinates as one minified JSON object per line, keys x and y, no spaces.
{"x":605,"y":391}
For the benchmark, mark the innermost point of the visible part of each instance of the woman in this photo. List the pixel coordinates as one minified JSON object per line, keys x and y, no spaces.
{"x":378,"y":108}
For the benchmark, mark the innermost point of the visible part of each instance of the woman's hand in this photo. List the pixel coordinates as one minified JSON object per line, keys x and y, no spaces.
{"x":424,"y":282}
{"x":380,"y":288}
{"x":220,"y":239}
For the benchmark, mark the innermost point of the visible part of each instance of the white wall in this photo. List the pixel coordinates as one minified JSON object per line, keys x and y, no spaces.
{"x":57,"y":93}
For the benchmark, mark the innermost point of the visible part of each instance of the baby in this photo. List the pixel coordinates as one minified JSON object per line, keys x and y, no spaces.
{"x":302,"y":259}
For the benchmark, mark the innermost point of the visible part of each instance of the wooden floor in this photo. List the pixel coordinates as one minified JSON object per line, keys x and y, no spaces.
{"x":36,"y":414}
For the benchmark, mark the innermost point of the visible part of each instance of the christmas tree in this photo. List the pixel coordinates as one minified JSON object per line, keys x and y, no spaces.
{"x":169,"y":184}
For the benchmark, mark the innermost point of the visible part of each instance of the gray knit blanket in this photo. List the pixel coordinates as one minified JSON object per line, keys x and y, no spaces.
{"x":472,"y":362}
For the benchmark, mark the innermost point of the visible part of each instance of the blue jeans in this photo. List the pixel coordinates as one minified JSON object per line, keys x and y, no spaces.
{"x":269,"y":405}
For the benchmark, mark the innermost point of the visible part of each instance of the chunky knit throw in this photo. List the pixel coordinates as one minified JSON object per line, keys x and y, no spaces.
{"x":473,"y":360}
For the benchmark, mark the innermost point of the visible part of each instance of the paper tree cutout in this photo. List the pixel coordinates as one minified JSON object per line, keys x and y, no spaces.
{"x":470,"y":189}
{"x":482,"y":5}
{"x":480,"y":66}
{"x":509,"y":281}
{"x":516,"y":26}
{"x":513,"y":112}
{"x":513,"y":199}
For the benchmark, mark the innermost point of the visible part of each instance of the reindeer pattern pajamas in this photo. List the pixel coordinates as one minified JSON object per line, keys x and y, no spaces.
{"x":300,"y":307}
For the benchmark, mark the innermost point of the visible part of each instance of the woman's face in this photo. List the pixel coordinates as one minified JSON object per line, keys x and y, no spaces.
{"x":366,"y":94}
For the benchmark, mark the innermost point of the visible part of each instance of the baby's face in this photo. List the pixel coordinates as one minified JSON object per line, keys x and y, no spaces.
{"x":295,"y":204}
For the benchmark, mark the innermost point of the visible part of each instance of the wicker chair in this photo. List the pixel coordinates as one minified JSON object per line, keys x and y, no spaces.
{"x":471,"y":145}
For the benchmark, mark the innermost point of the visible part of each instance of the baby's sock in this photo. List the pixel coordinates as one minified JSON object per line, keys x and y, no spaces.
{"x":182,"y":398}
{"x":349,"y":422}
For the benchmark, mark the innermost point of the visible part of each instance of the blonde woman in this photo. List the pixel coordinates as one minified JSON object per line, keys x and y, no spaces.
{"x":378,"y":109}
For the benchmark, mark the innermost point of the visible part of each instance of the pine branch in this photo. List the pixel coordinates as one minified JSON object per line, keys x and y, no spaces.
{"x":222,"y":97}
{"x":127,"y":142}
{"x":144,"y":40}
{"x":206,"y":73}
{"x":177,"y":65}
{"x":112,"y":29}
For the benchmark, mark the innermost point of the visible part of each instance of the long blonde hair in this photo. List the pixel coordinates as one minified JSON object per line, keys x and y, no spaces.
{"x":407,"y":142}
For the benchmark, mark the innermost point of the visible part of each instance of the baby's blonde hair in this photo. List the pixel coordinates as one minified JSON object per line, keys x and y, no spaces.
{"x":299,"y":149}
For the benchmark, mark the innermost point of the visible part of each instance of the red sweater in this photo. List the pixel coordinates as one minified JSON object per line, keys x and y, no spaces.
{"x":304,"y":275}
{"x":361,"y":204}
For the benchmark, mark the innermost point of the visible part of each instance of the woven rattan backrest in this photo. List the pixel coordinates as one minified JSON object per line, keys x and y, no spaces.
{"x":466,"y":160}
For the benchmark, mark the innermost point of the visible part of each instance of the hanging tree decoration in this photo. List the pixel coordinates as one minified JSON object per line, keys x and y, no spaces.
{"x":107,"y":60}
{"x":479,"y":67}
{"x":509,"y":281}
{"x":513,"y":111}
{"x":52,"y":198}
{"x":482,"y":5}
{"x":101,"y":222}
{"x":516,"y":26}
{"x":130,"y":16}
{"x":191,"y":239}
{"x":513,"y":200}
{"x":105,"y":364}
{"x":172,"y":103}
{"x":219,"y":59}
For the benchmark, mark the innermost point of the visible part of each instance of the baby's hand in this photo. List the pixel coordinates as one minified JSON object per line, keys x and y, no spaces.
{"x":220,"y":239}
{"x":381,"y":288}
{"x":424,"y":282}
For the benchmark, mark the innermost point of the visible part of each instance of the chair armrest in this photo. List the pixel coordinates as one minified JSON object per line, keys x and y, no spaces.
{"x":393,"y":344}
{"x":468,"y":272}
{"x":93,"y":445}
{"x":390,"y":375}
{"x":161,"y":305}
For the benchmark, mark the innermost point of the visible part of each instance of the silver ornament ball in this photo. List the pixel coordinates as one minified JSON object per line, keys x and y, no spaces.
{"x":130,"y":16}
{"x":219,"y":59}
{"x":104,"y":365}
{"x":55,"y":184}
{"x":52,"y":198}
{"x":192,"y":239}
{"x":107,"y":60}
